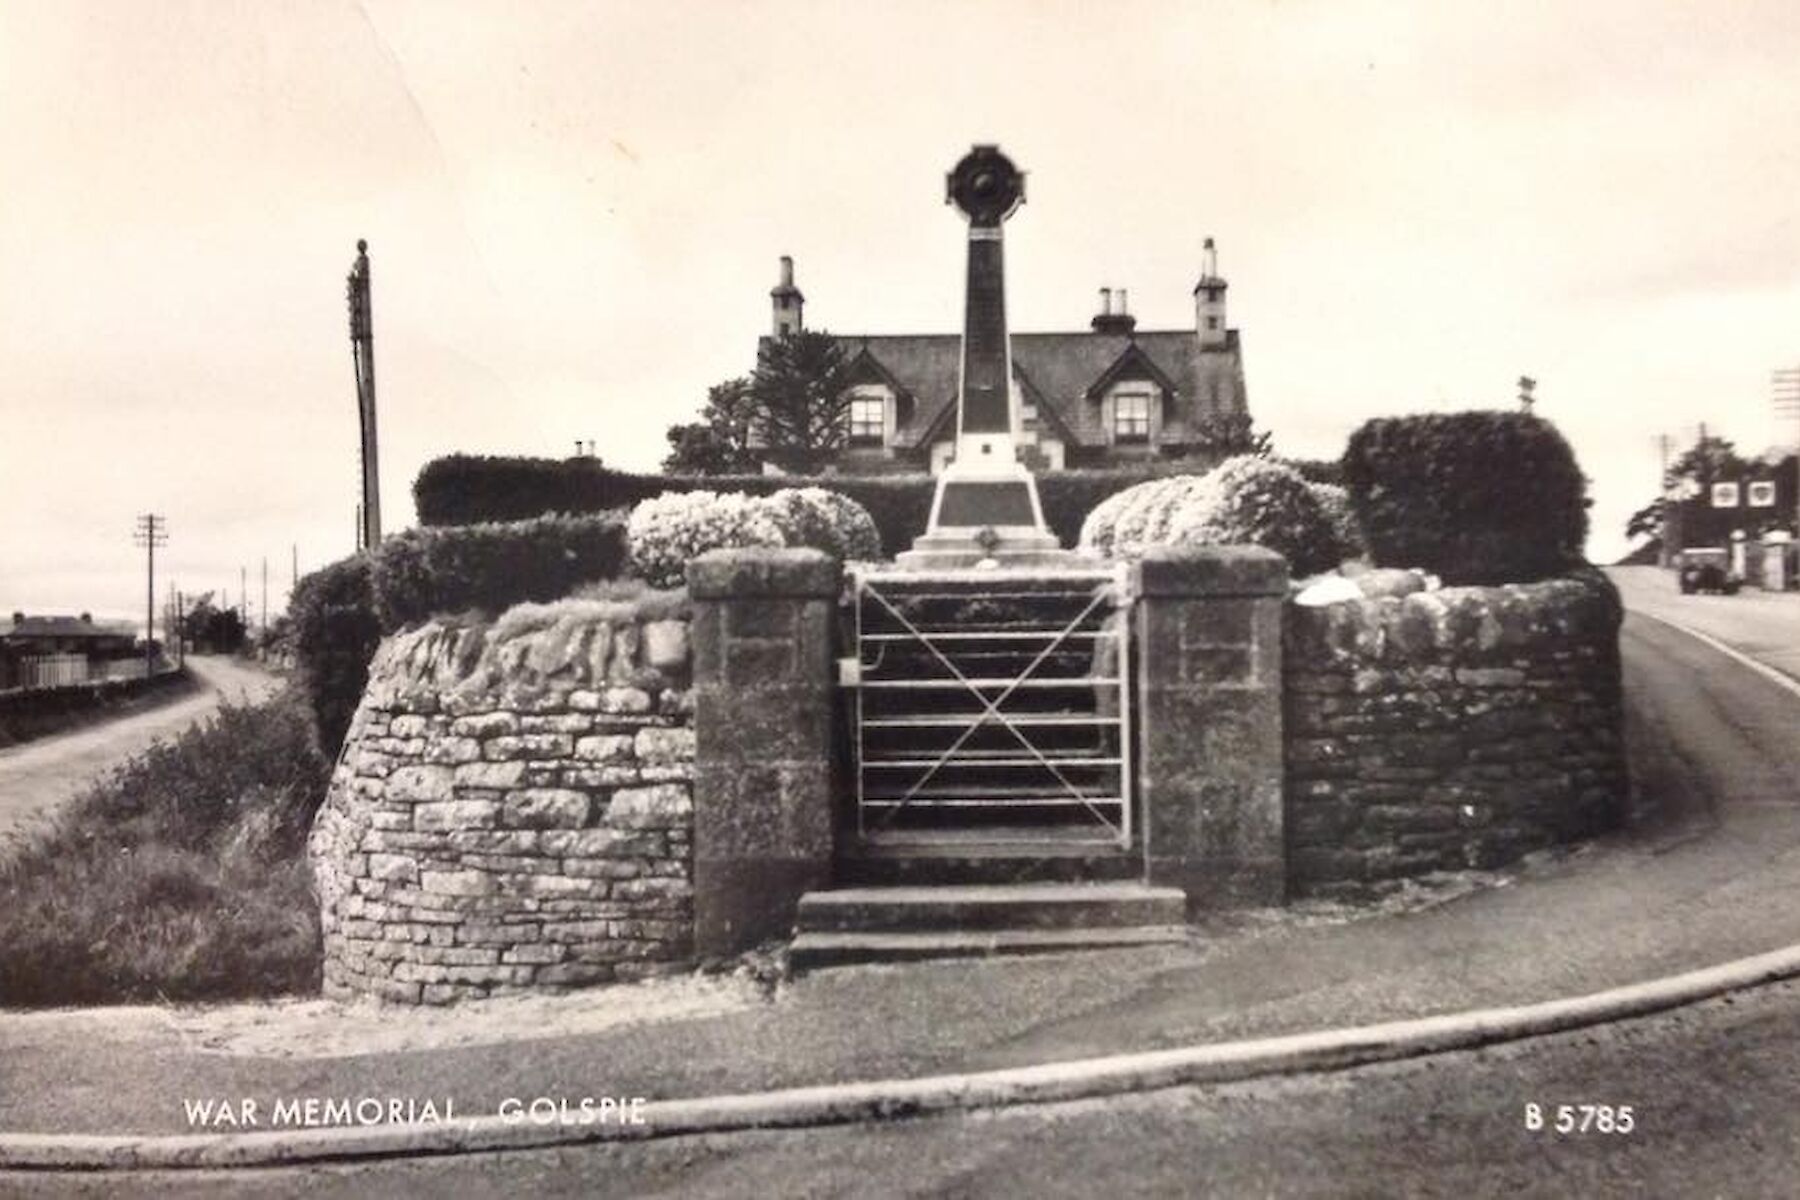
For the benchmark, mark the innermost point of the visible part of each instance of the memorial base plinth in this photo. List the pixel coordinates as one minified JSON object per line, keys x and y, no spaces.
{"x":954,"y":548}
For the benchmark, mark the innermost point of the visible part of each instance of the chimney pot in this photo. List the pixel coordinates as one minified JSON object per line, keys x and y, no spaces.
{"x":1123,"y":309}
{"x":1106,"y":302}
{"x":787,"y":271}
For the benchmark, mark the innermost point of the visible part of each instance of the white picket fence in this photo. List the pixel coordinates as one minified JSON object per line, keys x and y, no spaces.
{"x":43,"y":671}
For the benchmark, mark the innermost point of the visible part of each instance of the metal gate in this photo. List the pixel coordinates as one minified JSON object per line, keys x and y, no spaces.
{"x":992,"y":704}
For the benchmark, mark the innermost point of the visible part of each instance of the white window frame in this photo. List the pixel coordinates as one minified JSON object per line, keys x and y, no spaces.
{"x":1119,"y":418}
{"x":1725,"y":495}
{"x":1761,"y":494}
{"x":860,"y":423}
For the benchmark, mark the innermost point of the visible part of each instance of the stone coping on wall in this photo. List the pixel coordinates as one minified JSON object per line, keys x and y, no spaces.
{"x":1456,"y":624}
{"x":513,"y":806}
{"x":1447,"y":729}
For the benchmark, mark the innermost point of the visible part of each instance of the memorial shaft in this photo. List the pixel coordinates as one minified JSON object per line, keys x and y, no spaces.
{"x":986,"y":390}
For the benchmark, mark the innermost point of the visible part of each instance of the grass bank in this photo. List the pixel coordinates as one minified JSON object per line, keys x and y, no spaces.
{"x":181,"y":876}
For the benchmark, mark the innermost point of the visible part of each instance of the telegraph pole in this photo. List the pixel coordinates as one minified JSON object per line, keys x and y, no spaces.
{"x":1787,"y":404}
{"x":265,"y":595}
{"x":152,"y":531}
{"x":1527,"y":385}
{"x":362,"y":354}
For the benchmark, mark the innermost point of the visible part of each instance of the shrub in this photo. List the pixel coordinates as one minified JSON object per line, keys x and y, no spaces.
{"x":336,"y":631}
{"x":666,"y":531}
{"x":824,"y":520}
{"x":1098,"y":527}
{"x":1335,"y":501}
{"x":181,"y":877}
{"x":1474,"y":497}
{"x":1264,"y":503}
{"x":420,"y":573}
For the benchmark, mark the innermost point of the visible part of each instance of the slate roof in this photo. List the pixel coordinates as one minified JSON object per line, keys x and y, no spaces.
{"x":62,"y":627}
{"x":1060,"y":368}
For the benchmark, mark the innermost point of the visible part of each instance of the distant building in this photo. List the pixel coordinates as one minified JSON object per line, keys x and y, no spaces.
{"x":72,"y":640}
{"x":1759,"y":499}
{"x":1107,"y":395}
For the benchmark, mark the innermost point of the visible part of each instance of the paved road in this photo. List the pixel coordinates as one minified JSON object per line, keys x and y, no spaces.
{"x":39,"y":775}
{"x":1763,"y":625}
{"x":1714,"y":1092}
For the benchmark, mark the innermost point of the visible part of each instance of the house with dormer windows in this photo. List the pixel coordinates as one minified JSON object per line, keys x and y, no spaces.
{"x":1108,"y":395}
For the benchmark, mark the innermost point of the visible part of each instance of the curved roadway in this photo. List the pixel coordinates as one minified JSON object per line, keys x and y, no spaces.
{"x":40,"y":775}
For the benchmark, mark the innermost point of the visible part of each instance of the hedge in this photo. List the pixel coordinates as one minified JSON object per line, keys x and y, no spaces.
{"x":465,"y":489}
{"x":1475,"y":497}
{"x":335,"y":635}
{"x":419,"y":573}
{"x":341,"y":611}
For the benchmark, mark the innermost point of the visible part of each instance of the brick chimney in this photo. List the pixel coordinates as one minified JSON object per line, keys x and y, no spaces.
{"x":788,"y":301}
{"x":1107,"y":320}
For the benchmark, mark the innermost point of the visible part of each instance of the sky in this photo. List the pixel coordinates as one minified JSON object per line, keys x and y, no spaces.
{"x":575,"y":213}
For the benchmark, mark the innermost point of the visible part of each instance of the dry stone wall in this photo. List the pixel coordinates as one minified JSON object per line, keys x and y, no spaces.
{"x":513,"y":808}
{"x":1449,"y":729}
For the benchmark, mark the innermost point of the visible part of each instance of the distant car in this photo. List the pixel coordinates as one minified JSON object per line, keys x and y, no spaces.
{"x":1707,"y":574}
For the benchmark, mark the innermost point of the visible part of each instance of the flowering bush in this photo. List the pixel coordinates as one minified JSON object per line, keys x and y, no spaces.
{"x":1098,"y":526}
{"x":1261,"y":502}
{"x":1128,"y":521}
{"x":1244,"y":499}
{"x":1335,"y":500}
{"x":824,"y":520}
{"x":664,"y":532}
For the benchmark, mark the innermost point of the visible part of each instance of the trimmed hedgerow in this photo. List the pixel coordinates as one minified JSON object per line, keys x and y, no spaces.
{"x":464,"y":489}
{"x":336,"y":632}
{"x":1474,"y":497}
{"x":420,"y":573}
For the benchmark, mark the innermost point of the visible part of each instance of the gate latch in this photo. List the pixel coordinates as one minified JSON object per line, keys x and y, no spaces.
{"x":849,"y":672}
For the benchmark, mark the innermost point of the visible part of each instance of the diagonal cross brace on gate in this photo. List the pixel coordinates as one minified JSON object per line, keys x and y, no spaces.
{"x":1057,"y":636}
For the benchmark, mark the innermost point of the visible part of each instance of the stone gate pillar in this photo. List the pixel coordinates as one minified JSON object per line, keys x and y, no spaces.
{"x":1209,"y":694}
{"x":764,"y":634}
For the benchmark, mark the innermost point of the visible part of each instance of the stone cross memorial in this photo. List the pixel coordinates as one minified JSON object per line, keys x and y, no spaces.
{"x":986,"y":509}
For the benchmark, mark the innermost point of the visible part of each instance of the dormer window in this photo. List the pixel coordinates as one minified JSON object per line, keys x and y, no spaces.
{"x":868,"y":420}
{"x":1131,"y":417}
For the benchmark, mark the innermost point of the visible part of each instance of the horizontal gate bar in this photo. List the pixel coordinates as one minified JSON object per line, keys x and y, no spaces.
{"x":1064,"y":682}
{"x":962,"y":720}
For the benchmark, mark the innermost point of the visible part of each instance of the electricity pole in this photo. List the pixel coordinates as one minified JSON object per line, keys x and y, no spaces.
{"x":152,"y":531}
{"x":362,"y":354}
{"x":1787,"y":404}
{"x":1527,"y":385}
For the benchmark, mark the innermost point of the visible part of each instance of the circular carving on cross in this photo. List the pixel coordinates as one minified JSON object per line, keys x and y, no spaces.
{"x":986,"y":186}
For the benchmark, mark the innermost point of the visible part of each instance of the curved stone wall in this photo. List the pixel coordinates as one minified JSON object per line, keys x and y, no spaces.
{"x":1449,"y":729}
{"x":513,"y":807}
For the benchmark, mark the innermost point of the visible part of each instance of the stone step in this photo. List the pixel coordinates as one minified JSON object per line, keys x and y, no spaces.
{"x":827,"y":949}
{"x":985,"y":908}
